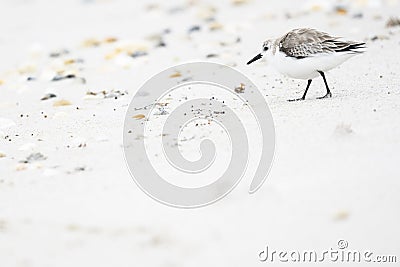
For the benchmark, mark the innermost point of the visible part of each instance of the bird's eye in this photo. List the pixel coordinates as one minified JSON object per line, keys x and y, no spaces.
{"x":265,"y":48}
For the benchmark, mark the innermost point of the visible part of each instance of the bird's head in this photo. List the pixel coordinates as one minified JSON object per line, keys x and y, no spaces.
{"x":265,"y":51}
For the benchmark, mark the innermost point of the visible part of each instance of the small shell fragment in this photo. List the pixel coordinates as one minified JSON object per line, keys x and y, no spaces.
{"x":138,"y":116}
{"x":240,"y":89}
{"x":110,"y":40}
{"x":48,"y":96}
{"x":213,"y":26}
{"x":61,"y":102}
{"x":175,"y":75}
{"x":34,"y":157}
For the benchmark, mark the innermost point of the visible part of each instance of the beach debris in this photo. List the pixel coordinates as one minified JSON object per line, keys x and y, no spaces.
{"x":61,"y":102}
{"x":341,"y":10}
{"x":114,"y":94}
{"x":145,"y":107}
{"x":161,"y":110}
{"x":138,"y":116}
{"x":48,"y":96}
{"x":92,"y":42}
{"x":341,"y":216}
{"x":108,"y":94}
{"x":194,"y":28}
{"x":78,"y":169}
{"x":161,"y":43}
{"x":82,"y":145}
{"x":227,"y":43}
{"x":73,"y":61}
{"x":138,"y":53}
{"x":109,"y":40}
{"x":2,"y":155}
{"x":379,"y":37}
{"x":175,"y":75}
{"x":211,"y":55}
{"x":59,"y":53}
{"x":240,"y":89}
{"x":131,"y":49}
{"x":27,"y":68}
{"x":239,"y":2}
{"x":34,"y":157}
{"x":61,"y":77}
{"x":21,"y":167}
{"x":393,"y":22}
{"x":214,"y":26}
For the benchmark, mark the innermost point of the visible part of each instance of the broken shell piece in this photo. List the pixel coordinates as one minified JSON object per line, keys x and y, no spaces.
{"x":175,"y":75}
{"x":110,"y":40}
{"x":342,"y":215}
{"x":341,"y":10}
{"x":194,"y":28}
{"x":61,"y":77}
{"x":138,"y":116}
{"x":34,"y":157}
{"x":108,"y":94}
{"x":239,"y":2}
{"x":240,"y":89}
{"x":59,"y":53}
{"x":138,"y":54}
{"x":207,"y":12}
{"x":61,"y":102}
{"x":27,"y":68}
{"x":91,"y":43}
{"x":379,"y":37}
{"x":73,"y":61}
{"x":114,"y":94}
{"x":21,"y":167}
{"x":48,"y":96}
{"x":211,"y":55}
{"x":213,"y":26}
{"x":2,"y":155}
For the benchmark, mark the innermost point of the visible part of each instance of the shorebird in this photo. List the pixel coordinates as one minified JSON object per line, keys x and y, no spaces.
{"x":307,"y":53}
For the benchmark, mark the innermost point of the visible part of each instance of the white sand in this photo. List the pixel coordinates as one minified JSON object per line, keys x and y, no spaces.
{"x":335,"y":175}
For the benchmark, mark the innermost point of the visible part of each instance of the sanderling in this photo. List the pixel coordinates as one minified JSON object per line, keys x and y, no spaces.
{"x":307,"y":53}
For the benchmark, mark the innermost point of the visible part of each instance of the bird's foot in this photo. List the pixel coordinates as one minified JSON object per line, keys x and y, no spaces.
{"x":328,"y":95}
{"x":297,"y":99}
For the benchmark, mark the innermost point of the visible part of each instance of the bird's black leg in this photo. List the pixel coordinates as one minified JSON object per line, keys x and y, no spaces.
{"x":305,"y":92}
{"x":328,"y":92}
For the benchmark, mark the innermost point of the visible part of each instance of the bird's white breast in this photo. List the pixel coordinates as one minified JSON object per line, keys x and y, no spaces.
{"x":307,"y":68}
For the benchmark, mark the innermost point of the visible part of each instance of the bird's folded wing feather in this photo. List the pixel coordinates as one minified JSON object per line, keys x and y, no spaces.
{"x":301,"y":43}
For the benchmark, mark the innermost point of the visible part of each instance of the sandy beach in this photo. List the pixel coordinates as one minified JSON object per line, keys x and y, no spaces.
{"x":68,"y":72}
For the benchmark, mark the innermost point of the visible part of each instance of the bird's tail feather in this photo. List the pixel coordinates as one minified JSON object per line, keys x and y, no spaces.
{"x":355,"y":47}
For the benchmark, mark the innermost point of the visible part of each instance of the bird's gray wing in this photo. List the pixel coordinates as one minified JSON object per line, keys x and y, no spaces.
{"x":302,"y":43}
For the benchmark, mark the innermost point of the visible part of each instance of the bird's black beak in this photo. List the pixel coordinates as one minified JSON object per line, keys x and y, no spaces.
{"x":254,"y":59}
